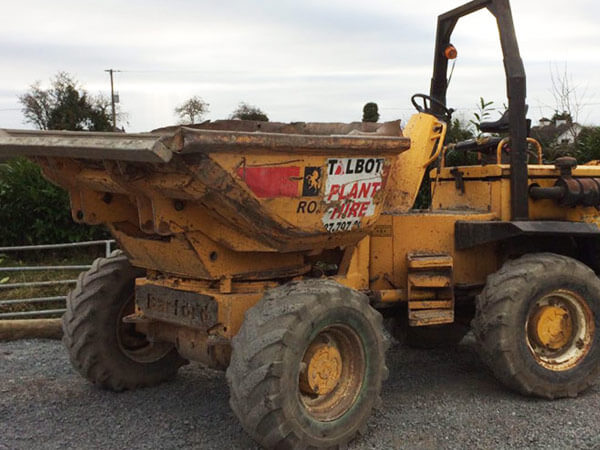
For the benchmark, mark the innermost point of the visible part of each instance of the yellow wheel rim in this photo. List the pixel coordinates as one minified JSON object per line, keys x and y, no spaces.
{"x":323,"y":369}
{"x":553,"y":326}
{"x":331,"y":373}
{"x":560,"y":330}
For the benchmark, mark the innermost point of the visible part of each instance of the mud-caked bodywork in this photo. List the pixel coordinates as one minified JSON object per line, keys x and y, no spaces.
{"x":226,"y":212}
{"x":280,"y":250}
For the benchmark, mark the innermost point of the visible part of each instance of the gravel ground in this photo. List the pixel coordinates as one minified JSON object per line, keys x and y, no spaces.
{"x":441,"y":398}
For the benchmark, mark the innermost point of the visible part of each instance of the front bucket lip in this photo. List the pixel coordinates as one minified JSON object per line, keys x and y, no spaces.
{"x":160,"y":147}
{"x":139,"y":147}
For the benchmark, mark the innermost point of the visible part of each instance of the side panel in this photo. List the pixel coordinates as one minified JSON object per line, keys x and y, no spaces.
{"x":487,"y":188}
{"x":382,"y":255}
{"x":408,"y":171}
{"x":312,"y":195}
{"x":194,"y":255}
{"x":434,"y":233}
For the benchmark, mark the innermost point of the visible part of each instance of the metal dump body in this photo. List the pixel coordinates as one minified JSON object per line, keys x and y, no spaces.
{"x":143,"y":147}
{"x":241,"y":191}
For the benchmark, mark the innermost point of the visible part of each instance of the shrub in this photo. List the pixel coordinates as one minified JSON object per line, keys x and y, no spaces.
{"x":588,"y":145}
{"x":33,"y":211}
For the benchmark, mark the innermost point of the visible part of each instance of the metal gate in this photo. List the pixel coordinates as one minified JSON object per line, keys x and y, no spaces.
{"x":41,"y":301}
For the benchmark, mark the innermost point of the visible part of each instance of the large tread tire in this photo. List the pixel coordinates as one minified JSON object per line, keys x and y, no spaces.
{"x":91,"y":329}
{"x":502,"y":311}
{"x":266,"y":355}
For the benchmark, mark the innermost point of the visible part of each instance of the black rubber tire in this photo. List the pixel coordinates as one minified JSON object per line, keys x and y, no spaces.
{"x":91,"y":324}
{"x":266,"y":356}
{"x":502,"y":310}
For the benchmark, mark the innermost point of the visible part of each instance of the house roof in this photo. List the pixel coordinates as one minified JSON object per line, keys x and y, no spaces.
{"x":550,"y":133}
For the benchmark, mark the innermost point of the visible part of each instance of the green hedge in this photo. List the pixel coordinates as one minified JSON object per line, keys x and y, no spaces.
{"x":33,"y":211}
{"x":588,"y":145}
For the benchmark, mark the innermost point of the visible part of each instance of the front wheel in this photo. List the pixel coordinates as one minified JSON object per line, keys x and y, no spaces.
{"x":307,"y":366}
{"x":537,"y":325}
{"x":102,"y":348}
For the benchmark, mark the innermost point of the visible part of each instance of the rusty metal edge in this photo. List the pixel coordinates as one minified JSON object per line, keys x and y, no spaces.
{"x":142,"y":147}
{"x":196,"y":141}
{"x":154,"y":147}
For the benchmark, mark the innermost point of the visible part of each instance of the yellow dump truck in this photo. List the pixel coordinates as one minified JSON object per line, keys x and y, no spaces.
{"x":275,"y":250}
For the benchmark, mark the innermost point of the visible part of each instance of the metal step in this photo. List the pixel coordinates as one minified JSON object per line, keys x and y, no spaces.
{"x":430,"y":280}
{"x":424,"y":317}
{"x":426,"y":261}
{"x":431,"y":275}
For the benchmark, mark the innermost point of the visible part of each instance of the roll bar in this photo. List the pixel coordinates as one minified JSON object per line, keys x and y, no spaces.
{"x":515,"y":85}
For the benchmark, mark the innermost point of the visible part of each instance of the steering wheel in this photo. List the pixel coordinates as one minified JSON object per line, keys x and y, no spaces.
{"x":445,"y":114}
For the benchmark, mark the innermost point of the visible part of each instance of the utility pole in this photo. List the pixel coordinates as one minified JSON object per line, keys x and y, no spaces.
{"x":112,"y":97}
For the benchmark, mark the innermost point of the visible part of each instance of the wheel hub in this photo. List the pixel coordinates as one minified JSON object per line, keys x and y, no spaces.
{"x":553,"y":327}
{"x":135,"y":345}
{"x":323,"y":369}
{"x":560,"y":330}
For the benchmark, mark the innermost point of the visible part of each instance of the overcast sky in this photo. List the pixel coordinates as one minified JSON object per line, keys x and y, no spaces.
{"x":300,"y":60}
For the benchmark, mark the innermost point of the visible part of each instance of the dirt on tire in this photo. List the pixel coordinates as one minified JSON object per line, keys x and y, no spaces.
{"x":502,"y":311}
{"x":267,"y":352}
{"x":91,"y":327}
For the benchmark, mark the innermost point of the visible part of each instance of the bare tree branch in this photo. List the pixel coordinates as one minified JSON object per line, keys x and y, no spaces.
{"x":567,"y":98}
{"x":192,"y":110}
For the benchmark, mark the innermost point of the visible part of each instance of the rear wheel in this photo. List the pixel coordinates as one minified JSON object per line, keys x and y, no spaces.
{"x":537,"y":325}
{"x":307,"y":366}
{"x":102,"y":348}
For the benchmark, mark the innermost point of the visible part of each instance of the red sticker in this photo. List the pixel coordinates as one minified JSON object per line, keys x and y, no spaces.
{"x":269,"y":182}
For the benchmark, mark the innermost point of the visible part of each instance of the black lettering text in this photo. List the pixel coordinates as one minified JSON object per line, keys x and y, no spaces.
{"x":360,"y":163}
{"x":349,"y":167}
{"x":332,"y":163}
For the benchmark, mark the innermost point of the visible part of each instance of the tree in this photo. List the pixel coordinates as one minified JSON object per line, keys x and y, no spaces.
{"x":568,"y":104}
{"x":562,"y":116}
{"x":244,"y":111}
{"x":458,"y":131}
{"x":567,"y":99}
{"x":370,"y":112}
{"x":65,"y":106}
{"x":587,"y":147}
{"x":33,"y":211}
{"x":192,"y":110}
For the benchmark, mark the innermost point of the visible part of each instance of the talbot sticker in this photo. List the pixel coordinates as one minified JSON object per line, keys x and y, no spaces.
{"x":350,"y":191}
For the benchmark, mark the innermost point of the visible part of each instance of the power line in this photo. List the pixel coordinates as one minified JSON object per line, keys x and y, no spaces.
{"x":474,"y":108}
{"x":165,"y":71}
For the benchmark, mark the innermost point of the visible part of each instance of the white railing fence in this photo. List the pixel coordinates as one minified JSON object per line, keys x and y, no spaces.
{"x":39,"y":313}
